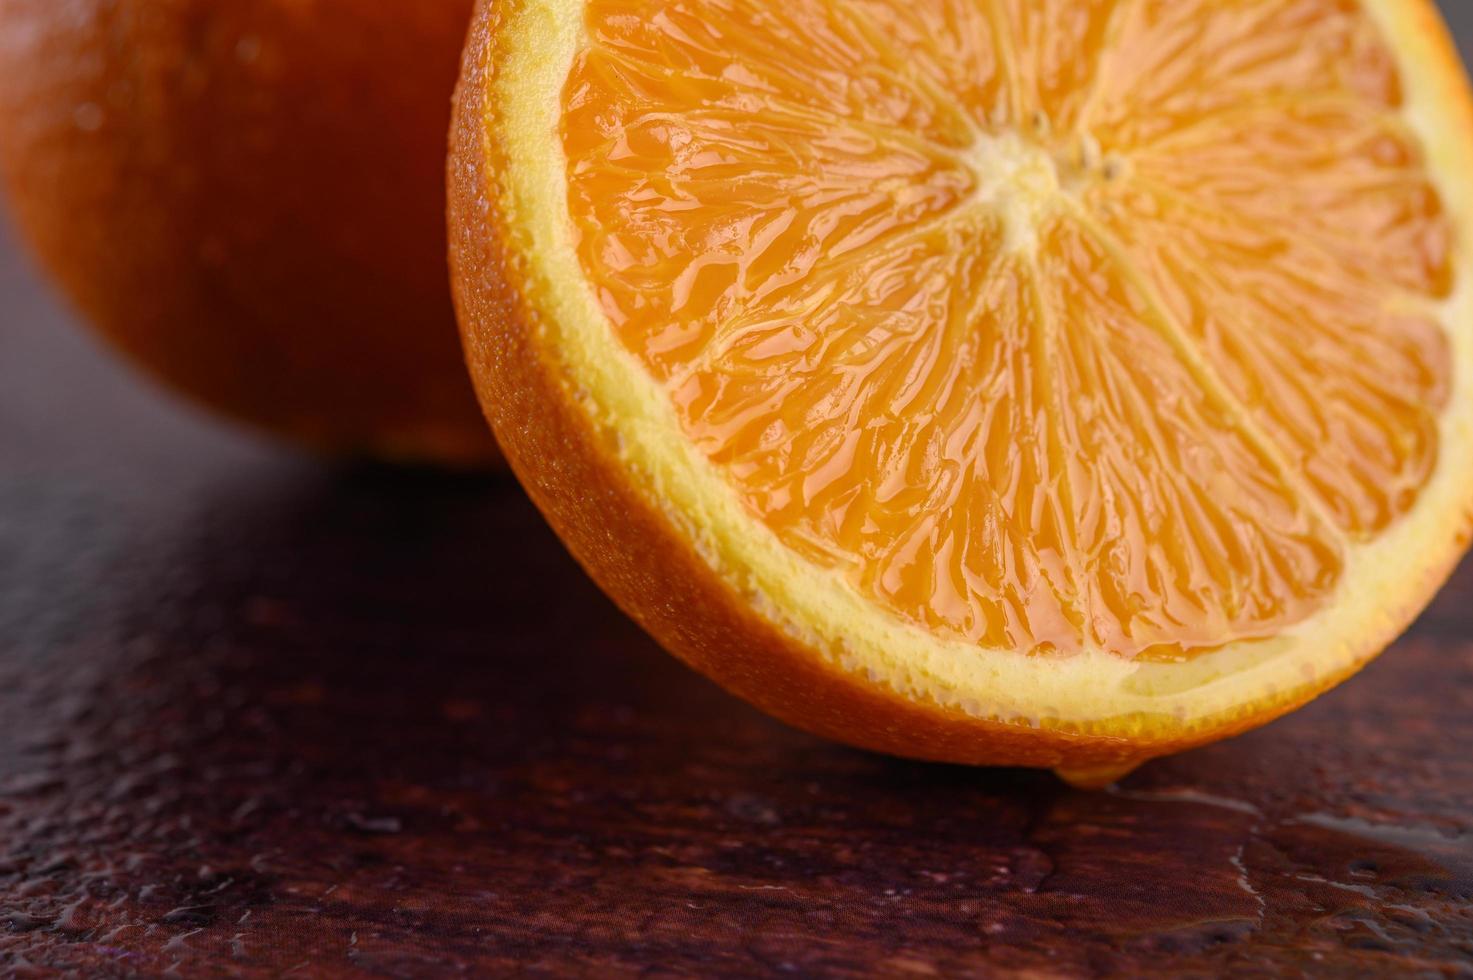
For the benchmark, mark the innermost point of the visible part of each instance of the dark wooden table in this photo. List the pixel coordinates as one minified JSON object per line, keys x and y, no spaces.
{"x":263,"y":715}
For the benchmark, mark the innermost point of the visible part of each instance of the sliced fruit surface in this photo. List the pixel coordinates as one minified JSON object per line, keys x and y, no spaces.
{"x":1049,"y":382}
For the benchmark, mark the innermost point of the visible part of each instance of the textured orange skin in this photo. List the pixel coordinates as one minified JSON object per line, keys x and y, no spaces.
{"x":571,"y":470}
{"x":247,"y":198}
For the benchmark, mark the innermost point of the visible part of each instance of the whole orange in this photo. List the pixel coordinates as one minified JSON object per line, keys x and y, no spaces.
{"x":247,"y":198}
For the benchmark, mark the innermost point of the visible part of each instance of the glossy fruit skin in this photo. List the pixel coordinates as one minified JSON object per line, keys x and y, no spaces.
{"x":247,"y":199}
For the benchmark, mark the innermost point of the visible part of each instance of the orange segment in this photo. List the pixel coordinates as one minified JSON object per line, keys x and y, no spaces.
{"x":1347,"y":378}
{"x":1190,"y":533}
{"x":1088,"y":375}
{"x":1180,"y":63}
{"x":1059,"y":52}
{"x":1306,"y":258}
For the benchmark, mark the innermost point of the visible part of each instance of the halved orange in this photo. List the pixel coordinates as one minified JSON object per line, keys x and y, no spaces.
{"x":1045,"y":382}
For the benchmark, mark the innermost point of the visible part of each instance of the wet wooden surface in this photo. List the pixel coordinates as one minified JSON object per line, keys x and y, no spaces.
{"x":262,"y":715}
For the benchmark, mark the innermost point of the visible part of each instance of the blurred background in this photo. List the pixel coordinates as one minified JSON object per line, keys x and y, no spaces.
{"x":1460,"y":17}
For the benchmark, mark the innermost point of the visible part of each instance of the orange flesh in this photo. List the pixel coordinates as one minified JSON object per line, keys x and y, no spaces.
{"x":1048,"y":323}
